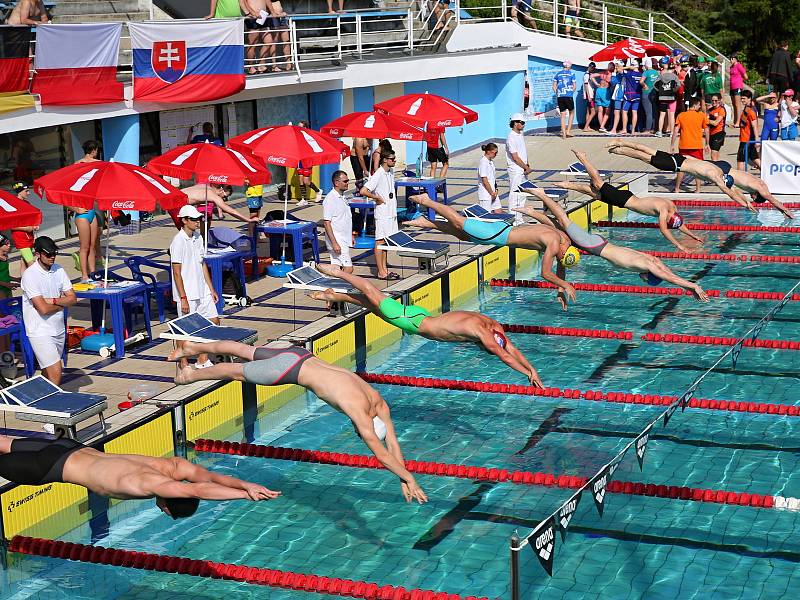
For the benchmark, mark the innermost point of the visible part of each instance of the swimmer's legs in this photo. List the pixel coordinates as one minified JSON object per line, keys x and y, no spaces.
{"x":219,"y":372}
{"x":631,"y":149}
{"x":372,"y":296}
{"x":583,"y":188}
{"x":594,"y":174}
{"x":448,"y":212}
{"x":442,"y":226}
{"x":228,"y":348}
{"x":558,"y":212}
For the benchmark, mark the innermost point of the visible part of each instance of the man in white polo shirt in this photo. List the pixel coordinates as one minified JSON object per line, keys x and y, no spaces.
{"x":338,"y":222}
{"x":192,"y":289}
{"x":518,"y":167}
{"x":380,"y":187}
{"x":46,"y":292}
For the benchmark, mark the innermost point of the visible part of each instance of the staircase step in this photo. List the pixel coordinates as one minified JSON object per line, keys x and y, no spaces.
{"x":95,"y":7}
{"x":102,"y":18}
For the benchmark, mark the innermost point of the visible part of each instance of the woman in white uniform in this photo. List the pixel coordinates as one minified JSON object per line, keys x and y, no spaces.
{"x":488,"y":195}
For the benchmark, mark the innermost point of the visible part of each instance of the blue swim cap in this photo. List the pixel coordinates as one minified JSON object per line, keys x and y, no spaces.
{"x":664,"y":61}
{"x":728,"y":179}
{"x":676,"y":51}
{"x":650,"y":279}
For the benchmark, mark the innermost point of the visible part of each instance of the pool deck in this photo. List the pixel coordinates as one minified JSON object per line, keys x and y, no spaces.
{"x":277,"y":311}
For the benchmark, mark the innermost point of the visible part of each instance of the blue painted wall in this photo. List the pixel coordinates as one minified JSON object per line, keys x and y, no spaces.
{"x":325,"y":107}
{"x":541,"y":72}
{"x":121,"y":142}
{"x":363,"y":99}
{"x":494,"y":96}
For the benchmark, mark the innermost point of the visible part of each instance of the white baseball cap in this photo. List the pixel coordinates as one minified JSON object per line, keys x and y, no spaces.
{"x":188,"y":211}
{"x":517,"y":117}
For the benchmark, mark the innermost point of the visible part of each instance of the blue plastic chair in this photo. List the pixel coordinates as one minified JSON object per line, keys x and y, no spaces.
{"x":156,"y":289}
{"x":17,"y":335}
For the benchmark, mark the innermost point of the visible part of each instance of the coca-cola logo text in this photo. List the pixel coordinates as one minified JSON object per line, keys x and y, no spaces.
{"x":123,"y":205}
{"x":446,"y":123}
{"x":218,"y":179}
{"x":276,"y":160}
{"x":406,"y":136}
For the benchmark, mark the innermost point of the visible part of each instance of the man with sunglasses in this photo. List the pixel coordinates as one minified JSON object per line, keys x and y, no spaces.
{"x":46,"y":292}
{"x":192,"y":289}
{"x":380,"y":187}
{"x":338,"y":222}
{"x":517,"y":159}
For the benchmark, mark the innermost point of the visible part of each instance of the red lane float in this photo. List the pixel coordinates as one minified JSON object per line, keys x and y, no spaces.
{"x":728,"y":204}
{"x":592,"y":395}
{"x":640,"y":289}
{"x":362,"y":461}
{"x":718,"y":257}
{"x":708,"y":340}
{"x":568,"y":331}
{"x":701,"y":226}
{"x":209,"y":569}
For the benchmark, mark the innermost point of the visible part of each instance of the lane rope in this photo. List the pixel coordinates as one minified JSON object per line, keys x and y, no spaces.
{"x":713,"y":256}
{"x":574,"y":394}
{"x":630,"y":488}
{"x":641,"y":289}
{"x":215,"y":570}
{"x":728,"y":204}
{"x":701,"y":226}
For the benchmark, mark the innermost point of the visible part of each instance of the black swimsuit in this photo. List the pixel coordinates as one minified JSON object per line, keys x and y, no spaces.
{"x":611,"y":195}
{"x":35,"y":462}
{"x":664,"y":161}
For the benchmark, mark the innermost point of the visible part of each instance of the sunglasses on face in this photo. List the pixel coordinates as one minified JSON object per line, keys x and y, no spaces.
{"x":49,"y":254}
{"x":344,"y":181}
{"x":195,"y":219}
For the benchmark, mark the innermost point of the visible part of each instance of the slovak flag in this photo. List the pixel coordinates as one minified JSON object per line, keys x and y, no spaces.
{"x":76,"y":64}
{"x":187,"y":60}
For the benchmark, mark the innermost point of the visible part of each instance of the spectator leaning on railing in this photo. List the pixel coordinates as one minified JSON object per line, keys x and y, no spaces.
{"x":28,"y":12}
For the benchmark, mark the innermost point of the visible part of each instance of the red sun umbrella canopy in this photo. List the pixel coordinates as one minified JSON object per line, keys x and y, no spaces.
{"x":374,"y":125}
{"x":428,"y":111}
{"x":209,"y":163}
{"x":112,"y":185}
{"x":17,"y":213}
{"x":291,"y":146}
{"x":630,"y":48}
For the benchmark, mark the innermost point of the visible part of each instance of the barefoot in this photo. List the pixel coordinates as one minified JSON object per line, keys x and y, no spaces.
{"x":185,"y":350}
{"x":184,"y":376}
{"x":422,"y":200}
{"x":327,"y":296}
{"x":420,"y":221}
{"x":613,"y":145}
{"x":329,"y":270}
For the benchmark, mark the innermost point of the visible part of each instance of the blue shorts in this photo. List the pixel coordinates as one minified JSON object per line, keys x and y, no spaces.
{"x":769,"y":133}
{"x":601,"y":97}
{"x":255,"y":203}
{"x":630,"y":104}
{"x":494,"y":233}
{"x":790,"y":132}
{"x":618,"y":104}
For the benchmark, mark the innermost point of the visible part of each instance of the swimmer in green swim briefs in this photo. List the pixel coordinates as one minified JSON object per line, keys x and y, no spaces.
{"x":453,"y":326}
{"x":550,"y":242}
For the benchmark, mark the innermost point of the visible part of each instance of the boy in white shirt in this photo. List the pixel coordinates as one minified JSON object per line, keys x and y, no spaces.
{"x":380,"y":187}
{"x":192,"y":289}
{"x":338,"y":222}
{"x":46,"y":292}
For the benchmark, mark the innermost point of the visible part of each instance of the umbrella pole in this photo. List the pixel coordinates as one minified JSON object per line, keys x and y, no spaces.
{"x":205,"y":221}
{"x":105,"y":273}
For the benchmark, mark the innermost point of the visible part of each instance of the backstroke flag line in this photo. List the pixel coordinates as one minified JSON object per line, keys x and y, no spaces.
{"x":180,"y":61}
{"x":76,"y":64}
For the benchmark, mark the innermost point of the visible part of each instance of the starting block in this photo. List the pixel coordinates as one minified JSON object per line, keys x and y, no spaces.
{"x":308,"y":278}
{"x":476,"y":211}
{"x":578,"y":171}
{"x":196,"y":328}
{"x":426,"y":253}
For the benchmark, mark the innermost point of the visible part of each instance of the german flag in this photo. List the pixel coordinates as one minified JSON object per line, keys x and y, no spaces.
{"x":15,"y":43}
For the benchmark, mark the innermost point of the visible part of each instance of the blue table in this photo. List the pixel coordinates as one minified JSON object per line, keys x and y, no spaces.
{"x":429,"y":185}
{"x":216,"y":261}
{"x":299,"y":231}
{"x":363,"y":206}
{"x":114,"y":297}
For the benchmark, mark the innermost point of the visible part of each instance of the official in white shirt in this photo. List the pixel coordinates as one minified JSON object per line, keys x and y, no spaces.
{"x":488,"y":194}
{"x":380,"y":187}
{"x":518,"y":167}
{"x":46,"y":292}
{"x":338,"y":222}
{"x":192,"y":289}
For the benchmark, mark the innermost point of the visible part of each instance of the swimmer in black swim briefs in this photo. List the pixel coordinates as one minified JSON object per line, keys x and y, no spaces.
{"x":177,"y":484}
{"x":341,"y":389}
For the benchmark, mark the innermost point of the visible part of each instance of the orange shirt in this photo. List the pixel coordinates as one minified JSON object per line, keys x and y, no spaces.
{"x":747,"y":130}
{"x":717,"y":113}
{"x":693,"y":123}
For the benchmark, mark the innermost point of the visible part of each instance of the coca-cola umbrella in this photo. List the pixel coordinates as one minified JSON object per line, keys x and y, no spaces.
{"x":630,"y":48}
{"x":428,"y":111}
{"x":290,"y":146}
{"x":17,"y":213}
{"x":373,"y":125}
{"x":112,"y":186}
{"x":209,"y":163}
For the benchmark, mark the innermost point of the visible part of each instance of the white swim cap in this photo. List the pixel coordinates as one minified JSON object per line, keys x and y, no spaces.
{"x":380,"y":428}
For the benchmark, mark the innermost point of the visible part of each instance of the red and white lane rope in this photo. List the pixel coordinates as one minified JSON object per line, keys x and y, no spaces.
{"x":362,"y":461}
{"x":708,"y":256}
{"x":728,"y":204}
{"x":701,"y":226}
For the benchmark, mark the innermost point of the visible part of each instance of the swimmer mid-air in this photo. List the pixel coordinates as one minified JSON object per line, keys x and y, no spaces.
{"x":177,"y":484}
{"x":453,"y":326}
{"x":341,"y":389}
{"x":653,"y":206}
{"x":650,"y":268}
{"x":552,"y":243}
{"x":755,"y":186}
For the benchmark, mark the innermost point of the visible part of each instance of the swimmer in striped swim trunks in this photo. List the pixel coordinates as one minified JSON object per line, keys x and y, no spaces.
{"x":453,"y":326}
{"x":341,"y":389}
{"x":662,"y":208}
{"x":651,"y":270}
{"x":551,"y":243}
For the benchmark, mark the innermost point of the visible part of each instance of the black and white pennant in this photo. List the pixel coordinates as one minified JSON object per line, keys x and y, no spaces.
{"x":641,"y":445}
{"x":737,"y":350}
{"x":670,"y":411}
{"x":543,"y":542}
{"x":687,"y":396}
{"x":597,"y":488}
{"x":566,"y":512}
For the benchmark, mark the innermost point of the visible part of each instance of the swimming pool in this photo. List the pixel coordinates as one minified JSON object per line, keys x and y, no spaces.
{"x":353,"y":523}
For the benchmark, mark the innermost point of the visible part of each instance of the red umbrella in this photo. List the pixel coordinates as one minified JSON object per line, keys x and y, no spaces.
{"x":630,"y":48}
{"x":112,"y":185}
{"x":428,"y":110}
{"x":291,"y":146}
{"x":17,"y":213}
{"x":209,"y":163}
{"x":373,"y":125}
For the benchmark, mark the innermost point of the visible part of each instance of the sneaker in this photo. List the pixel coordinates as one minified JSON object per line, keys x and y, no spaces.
{"x":49,"y":428}
{"x":603,"y":130}
{"x":204,"y":365}
{"x":659,"y":134}
{"x":302,"y":203}
{"x":319,"y":197}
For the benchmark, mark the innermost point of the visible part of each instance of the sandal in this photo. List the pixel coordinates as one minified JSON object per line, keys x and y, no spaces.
{"x":390,"y":277}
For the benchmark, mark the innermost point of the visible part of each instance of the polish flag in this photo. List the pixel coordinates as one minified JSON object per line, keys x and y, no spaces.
{"x":77,"y":64}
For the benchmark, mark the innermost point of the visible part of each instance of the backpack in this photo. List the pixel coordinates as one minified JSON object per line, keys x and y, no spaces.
{"x":667,"y":90}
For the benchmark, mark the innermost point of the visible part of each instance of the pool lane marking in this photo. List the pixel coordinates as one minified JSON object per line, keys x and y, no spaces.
{"x":727,"y":204}
{"x":702,"y":227}
{"x":592,"y":395}
{"x":631,"y":488}
{"x":708,"y":256}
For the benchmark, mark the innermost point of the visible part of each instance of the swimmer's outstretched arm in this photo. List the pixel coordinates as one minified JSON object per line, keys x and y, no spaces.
{"x":775,"y":202}
{"x":487,"y":340}
{"x":188,"y":471}
{"x":532,"y":373}
{"x":661,"y":271}
{"x":688,"y":232}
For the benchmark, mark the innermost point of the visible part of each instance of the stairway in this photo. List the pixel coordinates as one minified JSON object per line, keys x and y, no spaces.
{"x":94,"y":11}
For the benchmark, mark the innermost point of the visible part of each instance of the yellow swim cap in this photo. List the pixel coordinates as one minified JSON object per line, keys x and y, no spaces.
{"x":571,"y":257}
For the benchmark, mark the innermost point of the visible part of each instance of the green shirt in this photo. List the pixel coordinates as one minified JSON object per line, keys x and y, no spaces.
{"x":712,"y":84}
{"x":5,"y":275}
{"x":227,"y":9}
{"x":649,"y":78}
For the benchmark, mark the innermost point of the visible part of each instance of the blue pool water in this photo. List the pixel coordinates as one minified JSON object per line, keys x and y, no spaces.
{"x":353,"y":523}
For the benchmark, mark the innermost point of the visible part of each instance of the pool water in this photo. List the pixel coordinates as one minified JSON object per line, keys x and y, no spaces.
{"x":353,"y":523}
